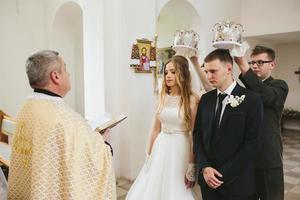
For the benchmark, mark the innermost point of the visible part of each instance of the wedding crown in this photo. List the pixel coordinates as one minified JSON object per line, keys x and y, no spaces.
{"x":186,"y":38}
{"x":186,"y":42}
{"x":227,"y":34}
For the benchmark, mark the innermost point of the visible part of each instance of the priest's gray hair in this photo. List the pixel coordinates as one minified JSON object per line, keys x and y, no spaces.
{"x":40,"y":65}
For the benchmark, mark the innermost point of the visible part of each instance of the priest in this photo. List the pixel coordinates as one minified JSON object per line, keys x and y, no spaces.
{"x":55,"y":153}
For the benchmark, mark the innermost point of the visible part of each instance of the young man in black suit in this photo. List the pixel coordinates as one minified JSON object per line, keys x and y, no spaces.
{"x":257,"y":77}
{"x":226,"y":133}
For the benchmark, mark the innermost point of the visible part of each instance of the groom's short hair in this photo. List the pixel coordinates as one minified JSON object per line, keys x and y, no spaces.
{"x":221,"y":54}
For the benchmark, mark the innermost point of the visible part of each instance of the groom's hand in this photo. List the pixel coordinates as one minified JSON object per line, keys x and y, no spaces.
{"x":210,"y":176}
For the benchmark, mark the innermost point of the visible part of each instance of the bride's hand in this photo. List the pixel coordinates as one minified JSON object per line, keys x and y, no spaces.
{"x":190,"y":178}
{"x":188,"y":184}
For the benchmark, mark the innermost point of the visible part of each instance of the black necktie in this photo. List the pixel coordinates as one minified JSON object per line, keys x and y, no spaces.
{"x":215,"y":129}
{"x":221,"y":97}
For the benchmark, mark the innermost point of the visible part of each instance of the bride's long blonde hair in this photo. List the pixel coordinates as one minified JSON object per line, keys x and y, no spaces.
{"x":183,"y":80}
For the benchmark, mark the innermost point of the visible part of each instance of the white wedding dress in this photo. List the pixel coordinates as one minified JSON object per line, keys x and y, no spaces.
{"x":162,"y":176}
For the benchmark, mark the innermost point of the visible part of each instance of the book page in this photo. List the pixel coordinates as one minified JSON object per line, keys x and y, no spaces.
{"x":94,"y":123}
{"x":111,"y":123}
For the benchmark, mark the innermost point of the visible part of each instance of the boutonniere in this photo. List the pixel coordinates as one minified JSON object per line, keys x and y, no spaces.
{"x":234,"y":101}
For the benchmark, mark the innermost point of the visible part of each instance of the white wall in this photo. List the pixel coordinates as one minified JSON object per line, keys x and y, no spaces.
{"x":92,"y":20}
{"x":128,"y":92}
{"x":22,"y":33}
{"x":67,"y":40}
{"x":288,"y":61}
{"x":270,"y":16}
{"x":112,"y":80}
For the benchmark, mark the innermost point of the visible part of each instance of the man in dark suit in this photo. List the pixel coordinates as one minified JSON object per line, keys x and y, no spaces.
{"x":226,"y":133}
{"x":269,"y":169}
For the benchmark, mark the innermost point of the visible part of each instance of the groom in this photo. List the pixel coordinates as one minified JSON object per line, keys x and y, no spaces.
{"x":226,"y":133}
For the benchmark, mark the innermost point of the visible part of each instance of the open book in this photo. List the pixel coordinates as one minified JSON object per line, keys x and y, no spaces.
{"x":111,"y":123}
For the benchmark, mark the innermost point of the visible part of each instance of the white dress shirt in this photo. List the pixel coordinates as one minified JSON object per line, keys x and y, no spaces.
{"x":228,"y":92}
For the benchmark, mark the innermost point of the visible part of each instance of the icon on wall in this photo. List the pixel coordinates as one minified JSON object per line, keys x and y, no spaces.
{"x":162,"y":55}
{"x":143,"y":55}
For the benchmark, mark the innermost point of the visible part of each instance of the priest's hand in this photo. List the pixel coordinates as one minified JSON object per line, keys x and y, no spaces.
{"x":106,"y":135}
{"x":211,"y":177}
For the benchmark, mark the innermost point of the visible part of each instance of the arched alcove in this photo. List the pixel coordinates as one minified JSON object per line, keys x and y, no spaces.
{"x":178,"y":15}
{"x":67,"y":38}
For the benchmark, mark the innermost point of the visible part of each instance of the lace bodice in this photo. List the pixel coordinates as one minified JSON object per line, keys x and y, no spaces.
{"x":171,"y":119}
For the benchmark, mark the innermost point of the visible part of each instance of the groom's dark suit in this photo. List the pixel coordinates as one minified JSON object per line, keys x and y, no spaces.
{"x":231,"y":147}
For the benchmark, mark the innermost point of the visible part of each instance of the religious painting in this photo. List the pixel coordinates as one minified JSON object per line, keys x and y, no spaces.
{"x":162,"y":55}
{"x":142,"y":54}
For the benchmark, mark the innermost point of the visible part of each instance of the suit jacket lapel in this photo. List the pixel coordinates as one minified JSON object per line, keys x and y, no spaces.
{"x":228,"y":109}
{"x":211,"y":107}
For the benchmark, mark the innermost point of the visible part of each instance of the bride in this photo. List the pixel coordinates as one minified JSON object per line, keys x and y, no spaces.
{"x":169,"y":172}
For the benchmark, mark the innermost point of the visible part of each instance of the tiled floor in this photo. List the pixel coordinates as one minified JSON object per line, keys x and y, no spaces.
{"x":123,"y":186}
{"x":291,"y":155}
